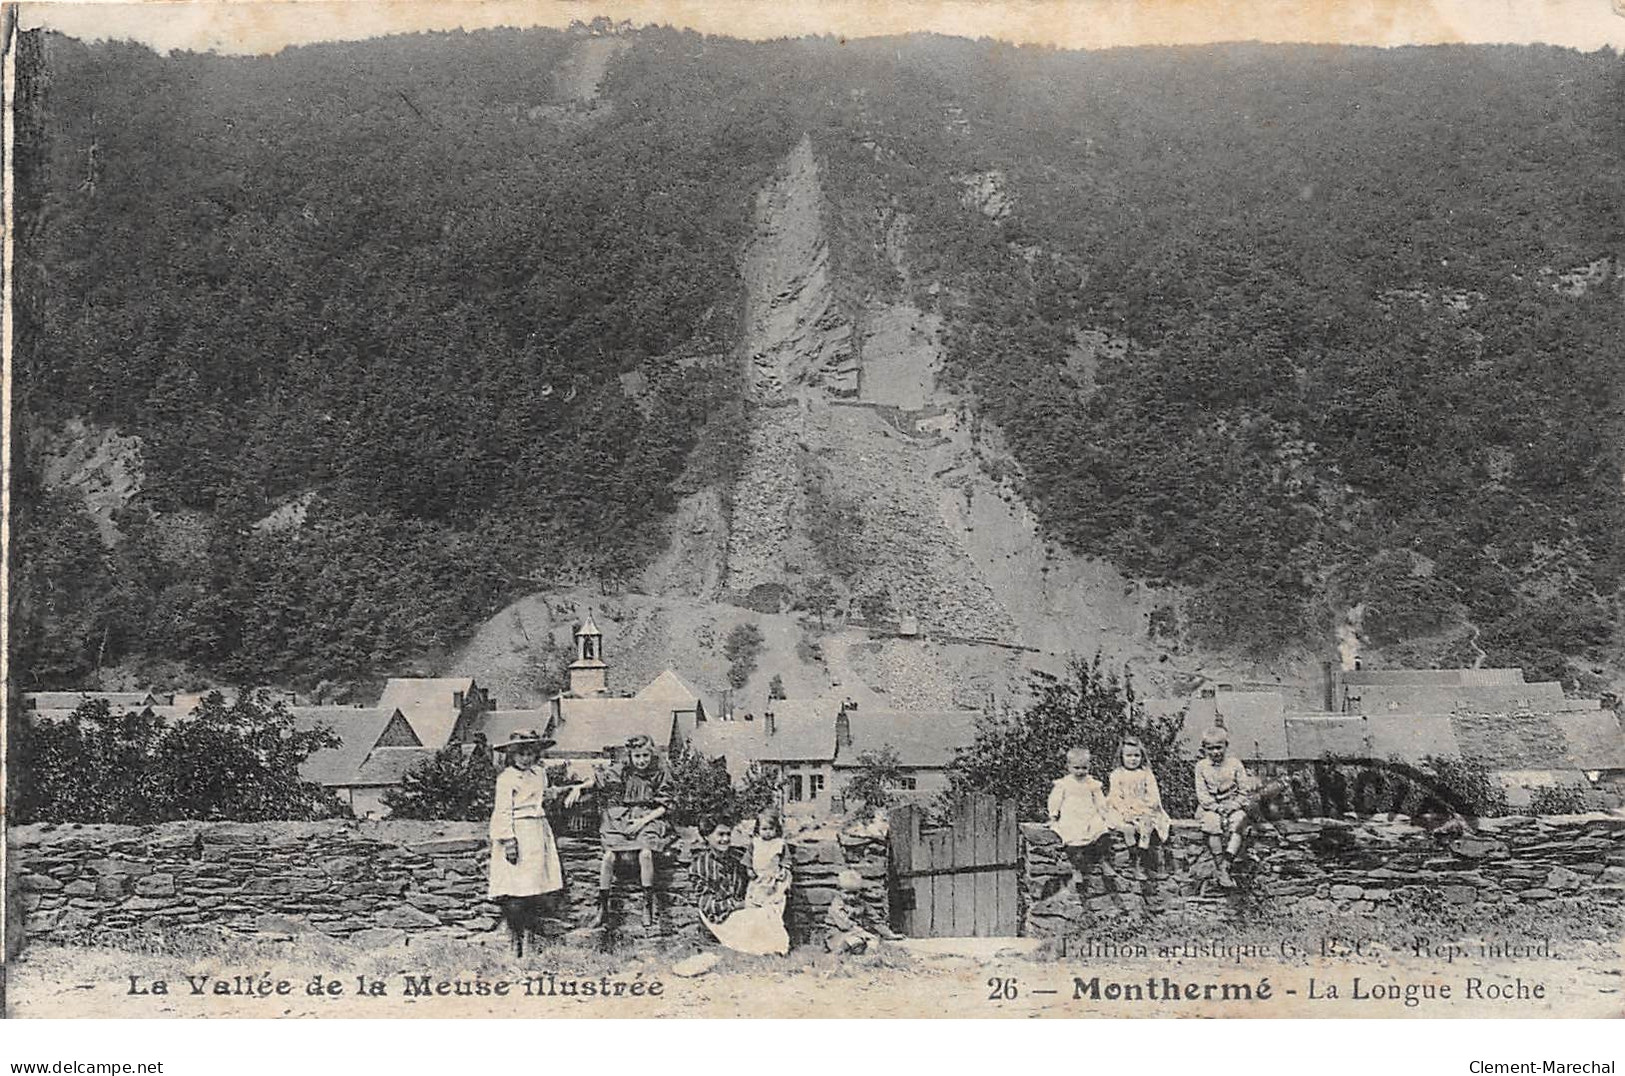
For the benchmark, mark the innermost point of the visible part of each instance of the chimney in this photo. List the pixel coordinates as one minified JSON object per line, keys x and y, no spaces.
{"x":768,"y":723}
{"x":1328,"y":676}
{"x":843,"y":731}
{"x":457,"y":700}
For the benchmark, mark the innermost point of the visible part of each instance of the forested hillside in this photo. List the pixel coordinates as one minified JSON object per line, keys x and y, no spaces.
{"x":493,"y":327}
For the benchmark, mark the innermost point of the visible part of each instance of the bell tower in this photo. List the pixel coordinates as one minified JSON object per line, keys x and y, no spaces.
{"x":589,"y":673}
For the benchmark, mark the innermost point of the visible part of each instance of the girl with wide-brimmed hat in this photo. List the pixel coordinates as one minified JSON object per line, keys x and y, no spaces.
{"x":525,"y":866}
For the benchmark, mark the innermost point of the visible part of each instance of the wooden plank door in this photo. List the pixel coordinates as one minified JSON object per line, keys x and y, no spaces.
{"x":1007,"y":917}
{"x":912,"y":917}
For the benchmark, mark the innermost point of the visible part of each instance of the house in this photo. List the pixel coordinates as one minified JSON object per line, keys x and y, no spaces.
{"x":817,"y":745}
{"x":1525,"y":735}
{"x":384,"y":768}
{"x":434,"y":706}
{"x":348,"y":768}
{"x":926,"y":743}
{"x":587,"y":721}
{"x":1373,"y":691}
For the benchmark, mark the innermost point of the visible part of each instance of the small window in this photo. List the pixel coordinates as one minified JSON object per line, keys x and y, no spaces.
{"x":794,"y":788}
{"x":907,"y":784}
{"x":815,"y":786}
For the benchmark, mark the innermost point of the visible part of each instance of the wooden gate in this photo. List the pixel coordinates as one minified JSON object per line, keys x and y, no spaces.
{"x":957,"y":880}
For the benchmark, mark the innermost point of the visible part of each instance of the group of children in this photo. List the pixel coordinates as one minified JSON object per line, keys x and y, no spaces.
{"x":1084,"y":815}
{"x":742,"y":904}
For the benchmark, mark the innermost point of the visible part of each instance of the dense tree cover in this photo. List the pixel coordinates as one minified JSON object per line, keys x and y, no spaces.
{"x":371,"y":272}
{"x":405,"y":275}
{"x":1350,"y":376}
{"x":238,"y":761}
{"x":1018,"y":754}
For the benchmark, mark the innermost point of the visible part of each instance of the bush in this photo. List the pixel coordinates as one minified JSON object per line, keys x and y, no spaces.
{"x":238,"y":762}
{"x":701,"y":786}
{"x":1018,"y":755}
{"x":455,"y":784}
{"x":1563,"y":799}
{"x":741,"y":647}
{"x":1468,"y":785}
{"x":878,"y":777}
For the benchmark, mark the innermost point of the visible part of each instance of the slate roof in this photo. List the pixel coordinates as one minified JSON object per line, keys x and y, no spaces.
{"x":1444,"y":698}
{"x":1593,"y":741}
{"x":669,"y":687}
{"x":385,"y":766}
{"x":1512,"y":741}
{"x":1336,"y":735}
{"x":740,"y":742}
{"x":597,"y":725}
{"x":803,"y":731}
{"x":498,"y":725}
{"x":1412,"y":737}
{"x":1255,"y":720}
{"x":70,"y":700}
{"x":923,"y":739}
{"x":1432,"y":677}
{"x":358,"y":729}
{"x":427,"y":704}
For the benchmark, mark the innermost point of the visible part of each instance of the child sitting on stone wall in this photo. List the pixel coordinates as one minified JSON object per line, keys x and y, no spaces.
{"x":1078,"y":813}
{"x":851,"y":929}
{"x":1222,"y":785}
{"x":1135,"y":800}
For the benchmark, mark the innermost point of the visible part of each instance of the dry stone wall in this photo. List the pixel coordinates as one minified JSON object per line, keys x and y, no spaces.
{"x":375,"y":883}
{"x":1320,"y":866}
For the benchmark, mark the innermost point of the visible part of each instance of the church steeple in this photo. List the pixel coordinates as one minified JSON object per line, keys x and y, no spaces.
{"x":589,"y":673}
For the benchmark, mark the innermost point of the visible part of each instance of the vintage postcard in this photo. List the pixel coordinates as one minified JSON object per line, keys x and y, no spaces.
{"x":970,"y":510}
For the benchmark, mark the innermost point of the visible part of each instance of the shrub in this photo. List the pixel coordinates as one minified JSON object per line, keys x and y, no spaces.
{"x":456,"y":784}
{"x":741,"y":647}
{"x":1468,"y":784}
{"x":239,"y":761}
{"x":1018,"y":754}
{"x":701,"y":786}
{"x":1563,"y":799}
{"x":878,"y":776}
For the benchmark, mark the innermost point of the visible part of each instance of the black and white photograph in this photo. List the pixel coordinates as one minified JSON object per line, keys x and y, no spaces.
{"x":963,"y":511}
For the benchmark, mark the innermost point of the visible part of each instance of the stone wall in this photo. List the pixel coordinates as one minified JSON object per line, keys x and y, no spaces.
{"x":1324,"y":865}
{"x":385,"y":882}
{"x":373,"y":882}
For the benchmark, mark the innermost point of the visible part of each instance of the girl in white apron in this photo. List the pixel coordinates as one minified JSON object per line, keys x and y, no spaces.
{"x":525,"y":864}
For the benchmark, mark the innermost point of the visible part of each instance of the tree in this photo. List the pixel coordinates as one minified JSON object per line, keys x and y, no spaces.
{"x":701,"y":787}
{"x":1017,"y":755}
{"x":238,"y":761}
{"x":741,"y":646}
{"x":879,"y":774}
{"x":819,"y":597}
{"x":775,"y":687}
{"x":456,"y":784}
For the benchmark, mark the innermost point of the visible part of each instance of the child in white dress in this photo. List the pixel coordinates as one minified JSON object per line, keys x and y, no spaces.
{"x":1078,"y":812}
{"x":1135,"y":800}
